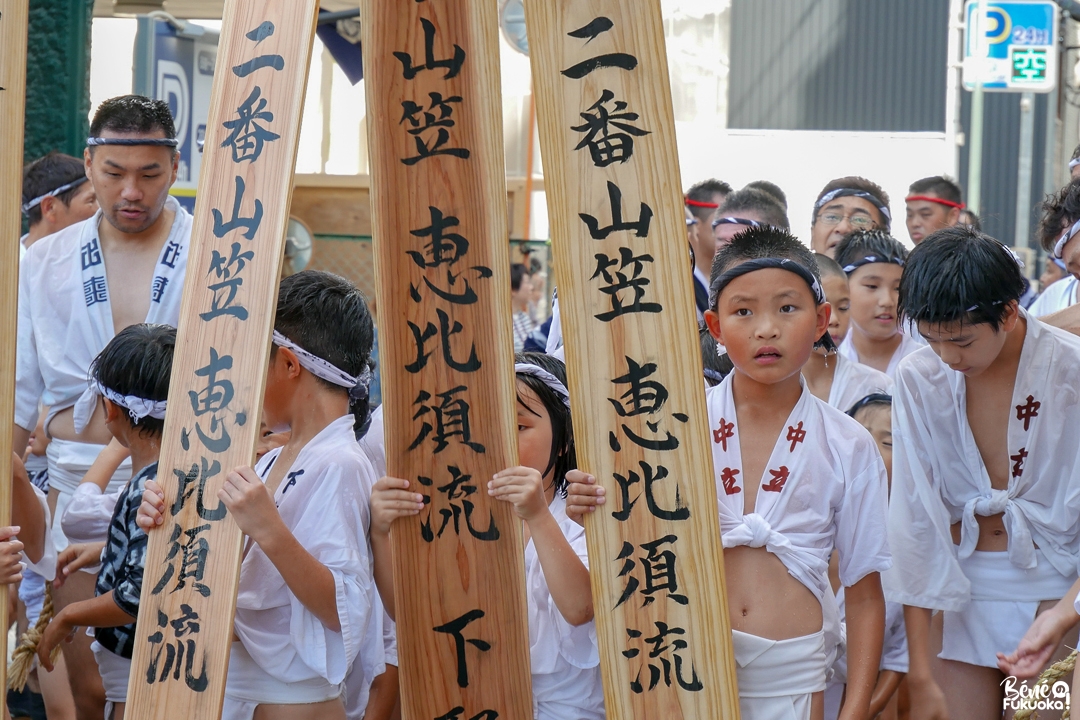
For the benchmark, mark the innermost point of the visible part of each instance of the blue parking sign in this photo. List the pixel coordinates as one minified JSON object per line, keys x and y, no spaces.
{"x":1021,"y":47}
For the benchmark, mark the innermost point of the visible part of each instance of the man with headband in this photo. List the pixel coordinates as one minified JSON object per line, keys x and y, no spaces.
{"x":77,"y":289}
{"x":845,"y":205}
{"x":1059,"y":233}
{"x":56,"y":193}
{"x":702,"y":201}
{"x":795,"y":479}
{"x":984,"y":516}
{"x":932,"y":203}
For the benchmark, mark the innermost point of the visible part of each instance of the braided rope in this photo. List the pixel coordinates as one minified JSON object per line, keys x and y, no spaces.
{"x":22,"y":660}
{"x":1050,"y":676}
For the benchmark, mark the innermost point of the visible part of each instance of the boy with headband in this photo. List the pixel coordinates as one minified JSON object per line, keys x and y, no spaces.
{"x":984,"y":518}
{"x":795,"y":479}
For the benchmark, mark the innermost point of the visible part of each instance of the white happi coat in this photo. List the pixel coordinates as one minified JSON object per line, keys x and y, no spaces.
{"x":824,"y":486}
{"x":1060,"y":295}
{"x":939,"y":477}
{"x":908,"y":345}
{"x":65,"y":318}
{"x":853,"y":381}
{"x":565,"y":658}
{"x":324,"y":500}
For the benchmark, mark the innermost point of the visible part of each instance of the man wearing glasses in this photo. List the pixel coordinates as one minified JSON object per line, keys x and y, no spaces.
{"x":844,"y":206}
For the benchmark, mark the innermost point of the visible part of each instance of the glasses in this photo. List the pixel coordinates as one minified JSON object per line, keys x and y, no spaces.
{"x":859,"y":222}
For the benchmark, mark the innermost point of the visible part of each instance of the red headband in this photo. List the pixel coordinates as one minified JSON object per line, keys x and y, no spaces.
{"x":939,"y":201}
{"x":700,"y":204}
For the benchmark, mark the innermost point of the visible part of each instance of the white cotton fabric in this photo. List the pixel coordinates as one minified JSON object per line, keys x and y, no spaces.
{"x":565,"y":659}
{"x":68,"y":464}
{"x":835,"y":495}
{"x":248,"y":686}
{"x":324,"y":501}
{"x":1058,"y":296}
{"x":853,"y":381}
{"x":777,"y":678}
{"x":908,"y":345}
{"x":59,"y":335}
{"x":939,"y":477}
{"x":46,"y":566}
{"x":357,"y":690}
{"x":114,"y":671}
{"x":1004,"y":602}
{"x":88,"y":513}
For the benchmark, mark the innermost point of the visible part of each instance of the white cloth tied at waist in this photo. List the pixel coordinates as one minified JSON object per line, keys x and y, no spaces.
{"x":755,"y":531}
{"x":1021,"y":544}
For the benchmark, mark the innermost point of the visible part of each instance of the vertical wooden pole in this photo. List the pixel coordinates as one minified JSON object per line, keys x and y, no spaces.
{"x":226,"y":318}
{"x":612,"y":176}
{"x":442,"y":265}
{"x":13,"y":23}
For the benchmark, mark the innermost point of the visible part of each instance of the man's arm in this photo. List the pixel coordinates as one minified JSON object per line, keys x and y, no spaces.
{"x":1067,"y":319}
{"x":101,"y":611}
{"x":887,"y":683}
{"x":865,"y":609}
{"x":20,"y":438}
{"x":927,"y":699}
{"x":383,"y":700}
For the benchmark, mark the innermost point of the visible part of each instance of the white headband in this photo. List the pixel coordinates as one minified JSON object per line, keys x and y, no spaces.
{"x":326,"y":370}
{"x":137,"y":407}
{"x":1073,"y":163}
{"x":1064,"y":239}
{"x":26,"y":208}
{"x":545,"y":377}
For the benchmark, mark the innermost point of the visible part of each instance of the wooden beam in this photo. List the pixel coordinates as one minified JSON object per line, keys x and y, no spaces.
{"x":13,"y":25}
{"x":193,"y":561}
{"x":608,"y":136}
{"x":442,"y":269}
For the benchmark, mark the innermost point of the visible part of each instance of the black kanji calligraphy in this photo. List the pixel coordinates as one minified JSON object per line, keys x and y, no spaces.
{"x":445,"y":420}
{"x":589,"y":32}
{"x":463,"y":294}
{"x":456,"y":629}
{"x":179,"y":652}
{"x":658,"y":571}
{"x":218,"y":392}
{"x":186,"y":560}
{"x":446,"y":331}
{"x":639,"y":226}
{"x":456,"y":493}
{"x":648,"y":478}
{"x":276,"y":62}
{"x":227,"y":269}
{"x":442,"y":248}
{"x":193,"y":482}
{"x":438,"y":117}
{"x":247,"y":132}
{"x":609,"y":132}
{"x":456,"y":713}
{"x":452,"y":65}
{"x":621,"y":285}
{"x":661,"y":656}
{"x":644,"y":396}
{"x":249,"y":224}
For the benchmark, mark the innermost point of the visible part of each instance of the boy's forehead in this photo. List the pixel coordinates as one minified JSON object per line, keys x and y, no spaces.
{"x":878,"y":270}
{"x":766,"y":283}
{"x":953,"y":330}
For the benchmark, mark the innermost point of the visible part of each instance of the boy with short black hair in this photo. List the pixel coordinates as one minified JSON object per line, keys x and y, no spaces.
{"x":831,"y":376}
{"x":874,"y":261}
{"x":984,"y":518}
{"x":932,"y":203}
{"x":843,"y":206}
{"x":131,"y":380}
{"x":795,"y":479}
{"x":56,"y":193}
{"x":745,"y":209}
{"x":1059,"y":234}
{"x":305,"y":608}
{"x":703,"y":199}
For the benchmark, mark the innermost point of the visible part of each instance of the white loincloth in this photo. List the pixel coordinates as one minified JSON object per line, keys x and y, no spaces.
{"x":777,"y":678}
{"x":68,"y":464}
{"x":250,"y":686}
{"x":1004,"y":601}
{"x":114,"y":672}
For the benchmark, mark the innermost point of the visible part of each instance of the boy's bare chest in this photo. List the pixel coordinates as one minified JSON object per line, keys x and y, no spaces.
{"x":756,"y":443}
{"x":988,"y":416}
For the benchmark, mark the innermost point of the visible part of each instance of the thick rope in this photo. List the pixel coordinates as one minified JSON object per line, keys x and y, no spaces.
{"x":1050,"y":676}
{"x":22,"y":660}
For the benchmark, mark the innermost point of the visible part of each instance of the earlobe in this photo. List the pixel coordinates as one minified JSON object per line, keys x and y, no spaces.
{"x":712,"y":321}
{"x":824,"y":316}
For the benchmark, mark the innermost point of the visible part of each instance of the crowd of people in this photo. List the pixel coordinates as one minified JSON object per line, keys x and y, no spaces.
{"x":912,"y":552}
